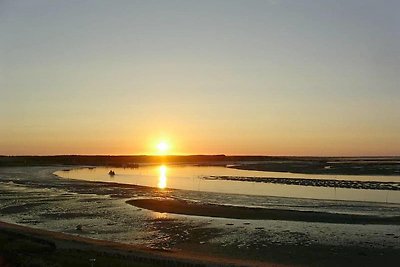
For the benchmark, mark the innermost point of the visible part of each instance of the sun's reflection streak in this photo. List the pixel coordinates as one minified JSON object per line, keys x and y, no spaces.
{"x":162,"y":178}
{"x":160,"y":215}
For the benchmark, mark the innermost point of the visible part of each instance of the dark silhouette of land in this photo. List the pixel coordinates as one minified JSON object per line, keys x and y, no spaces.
{"x":305,"y":165}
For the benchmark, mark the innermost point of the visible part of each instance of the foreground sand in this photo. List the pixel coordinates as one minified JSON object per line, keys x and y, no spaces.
{"x":26,"y":243}
{"x":23,"y":246}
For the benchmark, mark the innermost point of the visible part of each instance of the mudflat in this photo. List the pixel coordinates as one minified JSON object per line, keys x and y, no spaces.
{"x":179,"y":206}
{"x":24,"y":246}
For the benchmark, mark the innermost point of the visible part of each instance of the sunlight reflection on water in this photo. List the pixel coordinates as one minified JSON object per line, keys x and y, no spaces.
{"x":162,"y":179}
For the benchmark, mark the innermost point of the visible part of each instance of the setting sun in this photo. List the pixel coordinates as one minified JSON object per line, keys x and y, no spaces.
{"x":163,"y":147}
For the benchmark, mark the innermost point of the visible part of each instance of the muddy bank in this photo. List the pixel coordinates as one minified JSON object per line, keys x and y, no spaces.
{"x":234,"y":212}
{"x":371,"y":185}
{"x":336,"y":166}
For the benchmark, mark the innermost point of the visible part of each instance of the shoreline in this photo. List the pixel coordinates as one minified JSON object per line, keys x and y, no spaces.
{"x":184,"y":207}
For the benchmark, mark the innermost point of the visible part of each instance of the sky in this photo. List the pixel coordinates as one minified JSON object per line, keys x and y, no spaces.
{"x":231,"y":77}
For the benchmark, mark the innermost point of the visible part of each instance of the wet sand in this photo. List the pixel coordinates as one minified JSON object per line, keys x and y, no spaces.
{"x":30,"y":246}
{"x":49,"y":242}
{"x":177,"y":206}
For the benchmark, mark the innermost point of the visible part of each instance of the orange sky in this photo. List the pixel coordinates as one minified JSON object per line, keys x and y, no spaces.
{"x":265,"y":78}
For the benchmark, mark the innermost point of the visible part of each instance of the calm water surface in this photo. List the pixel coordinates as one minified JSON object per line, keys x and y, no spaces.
{"x":188,"y":177}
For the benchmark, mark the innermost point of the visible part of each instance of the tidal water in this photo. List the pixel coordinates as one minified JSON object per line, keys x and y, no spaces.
{"x":194,"y":178}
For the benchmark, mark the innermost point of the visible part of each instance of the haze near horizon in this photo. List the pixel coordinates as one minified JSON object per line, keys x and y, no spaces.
{"x":200,"y":77}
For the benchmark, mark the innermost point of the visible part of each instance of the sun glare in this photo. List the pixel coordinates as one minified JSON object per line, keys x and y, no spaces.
{"x":163,"y":147}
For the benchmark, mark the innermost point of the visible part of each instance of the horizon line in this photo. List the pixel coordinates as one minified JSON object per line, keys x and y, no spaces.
{"x":191,"y":155}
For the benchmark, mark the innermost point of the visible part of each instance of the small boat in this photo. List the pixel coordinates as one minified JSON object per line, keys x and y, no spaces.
{"x":111,"y":173}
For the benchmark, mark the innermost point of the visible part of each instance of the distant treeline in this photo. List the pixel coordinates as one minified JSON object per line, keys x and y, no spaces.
{"x":124,"y":161}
